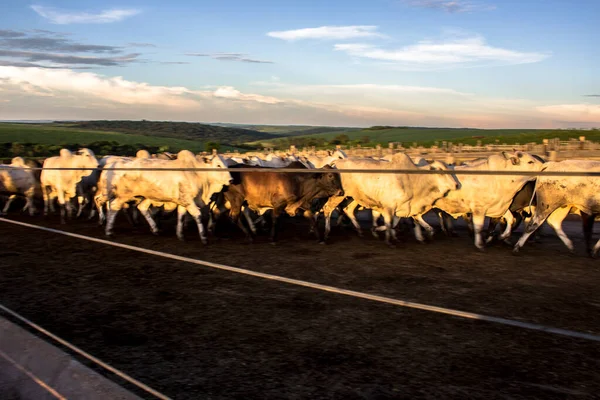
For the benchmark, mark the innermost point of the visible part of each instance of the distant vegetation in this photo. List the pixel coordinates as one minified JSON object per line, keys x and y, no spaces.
{"x":383,"y":135}
{"x":126,"y":137}
{"x":289,"y":130}
{"x":179,"y":130}
{"x":40,"y":140}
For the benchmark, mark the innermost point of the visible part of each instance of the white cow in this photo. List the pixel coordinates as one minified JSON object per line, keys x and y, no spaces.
{"x":183,"y":188}
{"x":557,"y":196}
{"x":18,"y":179}
{"x":320,"y":162}
{"x":105,"y":180}
{"x":489,"y":195}
{"x":62,"y":184}
{"x":400,"y":195}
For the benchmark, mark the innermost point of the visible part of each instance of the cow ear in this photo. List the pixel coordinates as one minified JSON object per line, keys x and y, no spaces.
{"x":515,"y":160}
{"x":506,"y":155}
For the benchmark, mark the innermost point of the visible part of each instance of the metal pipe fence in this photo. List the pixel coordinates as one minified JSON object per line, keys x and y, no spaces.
{"x":333,"y":170}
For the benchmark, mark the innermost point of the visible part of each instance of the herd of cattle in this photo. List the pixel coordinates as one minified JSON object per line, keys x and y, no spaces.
{"x":216,"y":186}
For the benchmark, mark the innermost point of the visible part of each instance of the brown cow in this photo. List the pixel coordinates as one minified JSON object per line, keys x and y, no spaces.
{"x":279,"y":192}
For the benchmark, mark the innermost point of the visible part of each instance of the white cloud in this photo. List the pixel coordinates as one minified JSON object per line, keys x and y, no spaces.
{"x":470,"y":51}
{"x":329,"y":32}
{"x":229,"y":92}
{"x":573,"y":112}
{"x":77,"y":17}
{"x":38,"y":93}
{"x":358,"y":87}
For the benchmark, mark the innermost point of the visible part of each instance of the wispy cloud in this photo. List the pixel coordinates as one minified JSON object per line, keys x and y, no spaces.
{"x":25,"y":64}
{"x":56,"y":44}
{"x":62,"y":17}
{"x":357,"y":87}
{"x":55,"y":51}
{"x":453,"y":52}
{"x":64,"y":59}
{"x":241,"y":57}
{"x":573,"y":112}
{"x":137,"y":44}
{"x":451,"y":6}
{"x":591,"y":95}
{"x":329,"y":32}
{"x":174,"y":62}
{"x":7,"y":33}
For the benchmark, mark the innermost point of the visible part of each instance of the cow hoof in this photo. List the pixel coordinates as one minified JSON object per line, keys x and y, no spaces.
{"x":204,"y":241}
{"x":110,"y":235}
{"x":507,"y":242}
{"x":481,"y":248}
{"x":157,"y":233}
{"x":516,"y":250}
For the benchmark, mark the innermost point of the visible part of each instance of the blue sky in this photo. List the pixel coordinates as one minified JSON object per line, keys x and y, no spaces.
{"x":350,"y":63}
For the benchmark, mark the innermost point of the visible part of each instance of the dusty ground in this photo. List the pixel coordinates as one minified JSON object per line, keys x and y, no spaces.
{"x":194,"y":332}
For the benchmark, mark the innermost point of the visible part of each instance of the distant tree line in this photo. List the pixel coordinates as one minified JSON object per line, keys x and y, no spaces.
{"x":320,"y":142}
{"x":9,"y":150}
{"x":179,"y":130}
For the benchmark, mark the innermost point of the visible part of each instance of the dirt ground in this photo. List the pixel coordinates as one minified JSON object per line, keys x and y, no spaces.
{"x":194,"y":332}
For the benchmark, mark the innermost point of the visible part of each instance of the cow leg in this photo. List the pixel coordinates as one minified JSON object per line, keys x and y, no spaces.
{"x":314,"y":227}
{"x":555,"y":221}
{"x":419,"y":233}
{"x":197,"y":215}
{"x":181,"y":211}
{"x":100,"y":202}
{"x":508,"y":217}
{"x":388,"y":219}
{"x":81,"y":200}
{"x":113,"y":208}
{"x":447,"y":224}
{"x":30,"y":204}
{"x":491,"y":229}
{"x":62,"y":204}
{"x":536,"y":221}
{"x":428,"y":228}
{"x":143,"y":209}
{"x":588,"y":228}
{"x":8,"y":203}
{"x":246,"y":212}
{"x":46,"y":200}
{"x":470,"y":223}
{"x":478,"y":221}
{"x":349,"y":211}
{"x":328,"y":209}
{"x":274,"y":224}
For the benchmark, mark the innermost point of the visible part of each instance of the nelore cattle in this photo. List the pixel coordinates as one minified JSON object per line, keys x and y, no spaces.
{"x":197,"y":185}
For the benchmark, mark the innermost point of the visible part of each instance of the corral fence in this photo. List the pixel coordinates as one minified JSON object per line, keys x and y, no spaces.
{"x":452,"y":153}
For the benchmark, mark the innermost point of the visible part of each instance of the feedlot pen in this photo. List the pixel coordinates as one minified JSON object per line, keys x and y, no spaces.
{"x":191,"y":331}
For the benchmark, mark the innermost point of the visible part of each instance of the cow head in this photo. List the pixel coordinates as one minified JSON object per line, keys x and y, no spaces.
{"x":223,"y":178}
{"x":445,"y":182}
{"x":330,"y":183}
{"x":85,"y":158}
{"x":523,"y":161}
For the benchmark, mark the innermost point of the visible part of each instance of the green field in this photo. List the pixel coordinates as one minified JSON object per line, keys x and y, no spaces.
{"x":289,"y":130}
{"x":46,"y":134}
{"x":427,"y":136}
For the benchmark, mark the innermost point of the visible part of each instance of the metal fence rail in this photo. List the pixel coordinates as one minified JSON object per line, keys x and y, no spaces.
{"x":333,"y":170}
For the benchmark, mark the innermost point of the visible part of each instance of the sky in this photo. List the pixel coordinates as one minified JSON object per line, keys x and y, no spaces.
{"x":436,"y":63}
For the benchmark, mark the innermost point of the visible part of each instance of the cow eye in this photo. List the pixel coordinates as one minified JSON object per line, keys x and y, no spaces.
{"x":531,"y":162}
